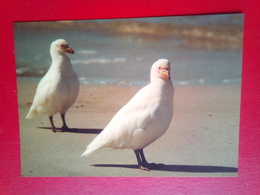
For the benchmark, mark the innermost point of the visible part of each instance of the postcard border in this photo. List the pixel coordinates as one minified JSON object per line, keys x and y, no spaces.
{"x":248,"y":180}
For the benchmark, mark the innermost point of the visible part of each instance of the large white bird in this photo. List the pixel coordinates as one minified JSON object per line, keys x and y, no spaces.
{"x":59,"y":88}
{"x":144,"y":119}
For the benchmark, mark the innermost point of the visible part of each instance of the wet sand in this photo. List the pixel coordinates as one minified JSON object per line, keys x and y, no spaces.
{"x":202,"y":139}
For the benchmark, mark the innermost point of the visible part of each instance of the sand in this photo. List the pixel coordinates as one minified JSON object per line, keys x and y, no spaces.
{"x":202,"y":139}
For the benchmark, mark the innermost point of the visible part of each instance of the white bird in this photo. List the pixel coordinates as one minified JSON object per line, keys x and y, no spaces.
{"x":59,"y":88}
{"x":144,"y":119}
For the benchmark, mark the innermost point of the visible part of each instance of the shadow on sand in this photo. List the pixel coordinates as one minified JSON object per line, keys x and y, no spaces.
{"x":76,"y":130}
{"x":179,"y":168}
{"x":161,"y":167}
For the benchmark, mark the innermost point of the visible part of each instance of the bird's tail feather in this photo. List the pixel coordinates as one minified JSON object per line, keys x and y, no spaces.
{"x":31,"y":113}
{"x":91,"y":150}
{"x":97,"y":144}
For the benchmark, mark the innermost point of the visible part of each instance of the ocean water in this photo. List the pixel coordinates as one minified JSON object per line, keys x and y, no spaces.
{"x":203,"y":50}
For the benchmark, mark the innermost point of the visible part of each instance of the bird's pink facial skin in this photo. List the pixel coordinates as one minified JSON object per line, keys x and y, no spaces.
{"x":164,"y":72}
{"x":67,"y":49}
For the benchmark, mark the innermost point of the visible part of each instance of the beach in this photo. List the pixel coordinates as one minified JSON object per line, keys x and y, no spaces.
{"x":112,"y":61}
{"x":202,"y":139}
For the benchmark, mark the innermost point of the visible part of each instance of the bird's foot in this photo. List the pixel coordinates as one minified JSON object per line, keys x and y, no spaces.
{"x":144,"y":168}
{"x":151,"y":166}
{"x":54,"y":130}
{"x":65,"y":128}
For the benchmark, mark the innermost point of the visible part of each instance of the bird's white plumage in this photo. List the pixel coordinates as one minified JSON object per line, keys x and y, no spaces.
{"x":59,"y":88}
{"x":145,"y":118}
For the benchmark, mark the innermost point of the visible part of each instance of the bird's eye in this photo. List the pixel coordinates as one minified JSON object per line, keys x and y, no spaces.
{"x":64,"y":46}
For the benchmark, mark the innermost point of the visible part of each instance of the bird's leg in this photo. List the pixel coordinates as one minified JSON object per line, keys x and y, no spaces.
{"x":143,"y":157}
{"x":53,"y":128}
{"x":64,"y":127}
{"x":142,"y":163}
{"x":138,"y":157}
{"x":150,"y":165}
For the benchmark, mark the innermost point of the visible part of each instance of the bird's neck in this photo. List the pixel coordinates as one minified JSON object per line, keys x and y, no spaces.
{"x":58,"y":57}
{"x":162,"y":86}
{"x":160,"y":82}
{"x":163,"y":91}
{"x":62,"y":63}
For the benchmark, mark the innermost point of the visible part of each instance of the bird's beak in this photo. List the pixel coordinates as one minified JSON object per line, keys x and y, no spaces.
{"x":164,"y":74}
{"x":69,"y":50}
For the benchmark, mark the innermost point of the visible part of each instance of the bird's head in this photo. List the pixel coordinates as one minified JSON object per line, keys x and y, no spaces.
{"x":161,"y":69}
{"x":61,"y":46}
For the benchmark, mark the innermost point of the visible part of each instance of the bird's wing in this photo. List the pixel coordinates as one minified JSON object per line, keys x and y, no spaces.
{"x":44,"y":91}
{"x":135,"y":114}
{"x":129,"y":120}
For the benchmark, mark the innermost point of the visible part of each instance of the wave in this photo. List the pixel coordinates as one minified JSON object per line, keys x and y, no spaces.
{"x":141,"y":83}
{"x":87,"y":52}
{"x":98,"y":61}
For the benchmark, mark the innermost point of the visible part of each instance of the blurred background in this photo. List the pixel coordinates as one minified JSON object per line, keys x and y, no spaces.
{"x":203,"y":50}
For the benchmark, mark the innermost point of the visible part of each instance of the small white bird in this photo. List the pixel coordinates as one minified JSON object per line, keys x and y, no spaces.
{"x":59,"y":88}
{"x":145,"y":118}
